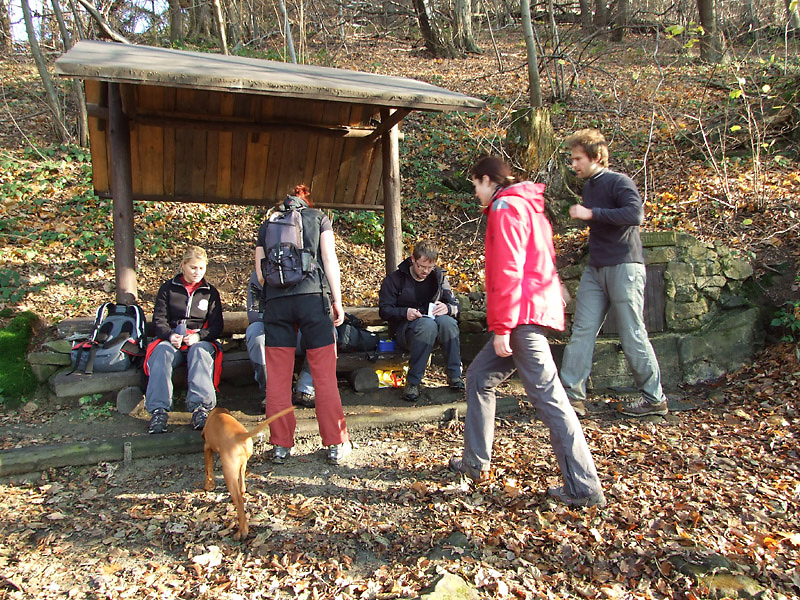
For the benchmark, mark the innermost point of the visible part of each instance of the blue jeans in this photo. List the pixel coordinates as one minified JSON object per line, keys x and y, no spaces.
{"x":418,"y":338}
{"x":199,"y":359}
{"x":619,"y":288}
{"x":537,"y":370}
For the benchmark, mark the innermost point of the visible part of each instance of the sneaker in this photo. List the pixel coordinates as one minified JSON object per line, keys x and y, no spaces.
{"x":457,"y":384}
{"x":578,"y":406}
{"x":303,"y":399}
{"x":561,"y":494}
{"x":640,"y":407}
{"x":158,"y":422}
{"x":338,"y":452}
{"x":280,"y":454}
{"x":457,"y":465}
{"x":411,"y":392}
{"x":199,"y":416}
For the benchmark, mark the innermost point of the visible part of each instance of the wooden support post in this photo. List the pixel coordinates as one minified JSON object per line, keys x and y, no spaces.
{"x":122,"y":188}
{"x":392,"y":213}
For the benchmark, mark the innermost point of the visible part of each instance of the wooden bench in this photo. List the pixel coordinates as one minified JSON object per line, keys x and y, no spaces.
{"x":236,"y":365}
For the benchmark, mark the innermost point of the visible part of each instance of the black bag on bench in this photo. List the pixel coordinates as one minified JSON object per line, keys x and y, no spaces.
{"x":352,"y":336}
{"x":118,"y":340}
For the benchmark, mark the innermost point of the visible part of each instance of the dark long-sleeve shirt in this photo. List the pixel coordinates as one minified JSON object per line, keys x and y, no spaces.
{"x":617,"y":213}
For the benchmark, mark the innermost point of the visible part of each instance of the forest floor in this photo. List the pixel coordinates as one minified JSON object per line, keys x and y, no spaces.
{"x":699,"y":500}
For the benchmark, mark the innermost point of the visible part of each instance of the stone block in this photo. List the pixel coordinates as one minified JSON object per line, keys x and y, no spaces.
{"x":60,"y":346}
{"x":48,"y":358}
{"x":471,"y":327}
{"x":473,"y":315}
{"x":679,"y":282}
{"x":737,"y":269}
{"x":660,"y":255}
{"x":43,"y":372}
{"x":682,"y":311}
{"x":658,"y":238}
{"x":722,"y":346}
{"x":450,"y":587}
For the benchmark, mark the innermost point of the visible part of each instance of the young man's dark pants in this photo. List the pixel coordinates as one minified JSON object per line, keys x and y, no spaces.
{"x":419,"y":336}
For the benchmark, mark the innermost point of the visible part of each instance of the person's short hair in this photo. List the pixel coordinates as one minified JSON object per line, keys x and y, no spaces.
{"x":193,"y":252}
{"x":495,"y":168}
{"x":426,"y":249}
{"x":593,"y":143}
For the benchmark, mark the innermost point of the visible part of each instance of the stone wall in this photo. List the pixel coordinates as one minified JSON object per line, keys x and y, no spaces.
{"x":711,"y":325}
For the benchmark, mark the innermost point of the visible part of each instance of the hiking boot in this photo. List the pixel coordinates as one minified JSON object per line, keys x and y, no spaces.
{"x":457,"y":384}
{"x":199,"y":416}
{"x":457,"y":465}
{"x":338,"y":452}
{"x":411,"y":392}
{"x":578,"y":406}
{"x":280,"y":454}
{"x":640,"y":407}
{"x":158,"y":421}
{"x":303,"y":399}
{"x":561,"y":494}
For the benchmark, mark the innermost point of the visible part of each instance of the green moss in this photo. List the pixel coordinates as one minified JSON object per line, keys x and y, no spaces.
{"x":16,"y":378}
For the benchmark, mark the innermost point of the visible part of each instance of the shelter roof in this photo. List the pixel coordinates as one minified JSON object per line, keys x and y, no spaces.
{"x":124,"y":63}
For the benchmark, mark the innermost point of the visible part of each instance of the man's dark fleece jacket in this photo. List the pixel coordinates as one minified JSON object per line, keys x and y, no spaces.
{"x":398,"y":294}
{"x":617,"y":212}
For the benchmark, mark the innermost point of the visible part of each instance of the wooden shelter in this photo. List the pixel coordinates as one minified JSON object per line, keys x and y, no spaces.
{"x":194,"y":127}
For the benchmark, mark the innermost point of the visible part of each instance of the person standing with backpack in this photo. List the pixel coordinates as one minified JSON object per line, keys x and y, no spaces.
{"x":295,"y":259}
{"x":187,"y":320}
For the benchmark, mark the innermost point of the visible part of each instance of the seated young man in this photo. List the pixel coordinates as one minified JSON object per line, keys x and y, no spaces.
{"x":254,"y":338}
{"x":417,"y":302}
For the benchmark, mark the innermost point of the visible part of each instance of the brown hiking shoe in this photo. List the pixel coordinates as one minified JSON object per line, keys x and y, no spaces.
{"x":640,"y":407}
{"x":578,"y":406}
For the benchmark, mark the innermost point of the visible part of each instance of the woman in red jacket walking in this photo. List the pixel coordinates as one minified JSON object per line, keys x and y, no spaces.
{"x":523,"y":298}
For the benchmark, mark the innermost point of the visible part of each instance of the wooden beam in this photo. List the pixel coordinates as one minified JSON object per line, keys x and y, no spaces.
{"x":240,"y":201}
{"x":122,"y":186}
{"x":396,"y":116}
{"x":218,"y":123}
{"x":392,"y":216}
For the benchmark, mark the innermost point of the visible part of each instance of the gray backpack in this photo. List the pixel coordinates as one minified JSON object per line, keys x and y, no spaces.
{"x":117,"y":342}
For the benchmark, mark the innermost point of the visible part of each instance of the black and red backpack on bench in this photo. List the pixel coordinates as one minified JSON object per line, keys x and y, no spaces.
{"x":117,"y":342}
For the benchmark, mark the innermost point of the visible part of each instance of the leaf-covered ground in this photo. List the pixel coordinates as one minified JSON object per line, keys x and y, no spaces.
{"x":718,"y":482}
{"x":717,"y":488}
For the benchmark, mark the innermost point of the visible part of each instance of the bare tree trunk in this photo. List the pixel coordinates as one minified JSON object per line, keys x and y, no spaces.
{"x":50,"y":90}
{"x":710,"y":44}
{"x":5,"y":28}
{"x":220,"y":21}
{"x":533,"y":58}
{"x":620,"y":21}
{"x":586,"y":15}
{"x":464,"y":39}
{"x":288,"y":31}
{"x":600,"y":14}
{"x":434,"y":41}
{"x":175,"y":22}
{"x":75,"y":84}
{"x":558,"y":70}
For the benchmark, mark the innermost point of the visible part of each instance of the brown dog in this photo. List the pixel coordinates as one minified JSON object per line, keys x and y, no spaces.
{"x":234,"y":444}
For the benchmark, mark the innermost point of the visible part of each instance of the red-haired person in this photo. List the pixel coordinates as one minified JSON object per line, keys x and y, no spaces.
{"x":523,"y":300}
{"x":313,"y":306}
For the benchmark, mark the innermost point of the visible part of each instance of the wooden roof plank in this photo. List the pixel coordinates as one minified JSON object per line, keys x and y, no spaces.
{"x":128,"y":63}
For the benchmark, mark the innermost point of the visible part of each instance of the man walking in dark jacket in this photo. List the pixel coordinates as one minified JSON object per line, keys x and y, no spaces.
{"x":614,"y":279}
{"x":417,"y":302}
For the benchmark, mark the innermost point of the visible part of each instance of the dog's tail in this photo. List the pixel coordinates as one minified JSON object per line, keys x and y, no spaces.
{"x":262,"y":426}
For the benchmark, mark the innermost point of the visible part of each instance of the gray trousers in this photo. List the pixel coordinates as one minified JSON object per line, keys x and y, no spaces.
{"x":619,"y":288}
{"x":420,"y":335}
{"x":199,"y":359}
{"x":537,"y":370}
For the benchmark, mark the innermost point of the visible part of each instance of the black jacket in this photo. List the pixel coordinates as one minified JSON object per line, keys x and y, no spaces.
{"x":203,"y":311}
{"x":397,"y":295}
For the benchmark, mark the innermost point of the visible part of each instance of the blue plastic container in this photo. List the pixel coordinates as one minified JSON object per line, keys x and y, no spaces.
{"x":386,"y":346}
